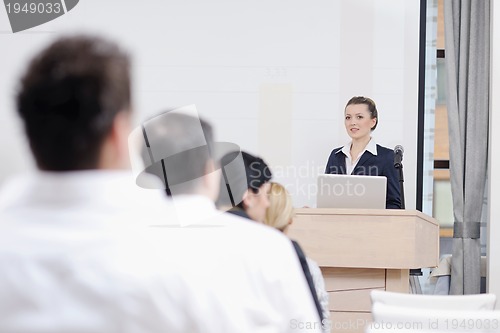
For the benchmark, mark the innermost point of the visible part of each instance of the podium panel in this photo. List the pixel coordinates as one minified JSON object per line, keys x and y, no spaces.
{"x":359,"y":250}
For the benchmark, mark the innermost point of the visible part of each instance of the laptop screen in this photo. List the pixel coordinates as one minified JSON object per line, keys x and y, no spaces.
{"x":351,"y":191}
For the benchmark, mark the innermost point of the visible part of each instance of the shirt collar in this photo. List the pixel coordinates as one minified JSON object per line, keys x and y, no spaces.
{"x":95,"y":188}
{"x":88,"y":199}
{"x":104,"y":191}
{"x":371,"y":147}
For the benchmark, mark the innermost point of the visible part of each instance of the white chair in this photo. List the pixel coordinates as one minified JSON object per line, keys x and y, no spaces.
{"x":403,"y":319}
{"x":480,"y":302}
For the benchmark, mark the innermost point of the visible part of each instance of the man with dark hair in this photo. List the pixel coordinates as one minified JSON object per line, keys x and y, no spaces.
{"x":68,"y":263}
{"x":72,"y":97}
{"x":75,"y":255}
{"x":179,"y":149}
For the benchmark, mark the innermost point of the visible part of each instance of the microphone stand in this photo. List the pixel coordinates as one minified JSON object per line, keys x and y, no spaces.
{"x":399,"y":167}
{"x":414,"y":272}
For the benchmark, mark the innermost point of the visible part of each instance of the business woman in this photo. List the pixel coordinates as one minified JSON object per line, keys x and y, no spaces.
{"x":362,"y":156}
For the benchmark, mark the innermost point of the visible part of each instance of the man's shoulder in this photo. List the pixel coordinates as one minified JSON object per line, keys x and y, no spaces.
{"x":243,"y":226}
{"x":221,"y":234}
{"x":254,"y":238}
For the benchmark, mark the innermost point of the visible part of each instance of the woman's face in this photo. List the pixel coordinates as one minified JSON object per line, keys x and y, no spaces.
{"x":257,"y":203}
{"x":358,"y":121}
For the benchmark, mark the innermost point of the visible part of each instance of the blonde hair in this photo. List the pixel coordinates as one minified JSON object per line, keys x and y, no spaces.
{"x":280,"y":210}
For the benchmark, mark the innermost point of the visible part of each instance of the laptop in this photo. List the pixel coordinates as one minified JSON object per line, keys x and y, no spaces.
{"x":351,"y":191}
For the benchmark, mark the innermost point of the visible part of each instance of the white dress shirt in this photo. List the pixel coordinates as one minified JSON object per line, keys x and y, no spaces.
{"x":350,"y":163}
{"x":75,"y":257}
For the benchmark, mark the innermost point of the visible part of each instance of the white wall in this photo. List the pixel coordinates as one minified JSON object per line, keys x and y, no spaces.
{"x":272,"y":76}
{"x":493,"y":276}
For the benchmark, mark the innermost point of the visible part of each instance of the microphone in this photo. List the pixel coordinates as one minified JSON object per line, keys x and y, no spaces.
{"x":398,"y":156}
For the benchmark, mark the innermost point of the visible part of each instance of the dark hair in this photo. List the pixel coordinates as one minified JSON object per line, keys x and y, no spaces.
{"x":257,"y":173}
{"x":178,"y":150}
{"x":241,"y":172}
{"x":372,"y":108}
{"x":68,"y":99}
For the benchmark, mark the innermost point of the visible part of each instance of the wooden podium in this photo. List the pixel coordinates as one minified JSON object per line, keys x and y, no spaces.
{"x":359,"y":250}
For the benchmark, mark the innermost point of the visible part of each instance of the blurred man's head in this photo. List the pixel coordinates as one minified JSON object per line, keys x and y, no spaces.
{"x":179,"y":151}
{"x":74,"y":100}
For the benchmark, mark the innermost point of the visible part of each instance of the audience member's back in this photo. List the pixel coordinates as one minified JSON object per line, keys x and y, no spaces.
{"x":74,"y":253}
{"x":178,"y":148}
{"x":68,"y":275}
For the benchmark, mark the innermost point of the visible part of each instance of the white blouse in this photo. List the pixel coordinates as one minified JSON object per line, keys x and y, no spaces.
{"x":350,"y":164}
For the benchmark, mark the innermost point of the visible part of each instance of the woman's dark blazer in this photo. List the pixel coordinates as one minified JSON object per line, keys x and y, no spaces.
{"x":381,"y":164}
